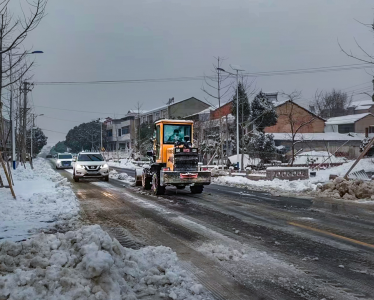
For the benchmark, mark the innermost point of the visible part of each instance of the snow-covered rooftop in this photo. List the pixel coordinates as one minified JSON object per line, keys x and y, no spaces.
{"x":350,"y":119}
{"x":368,"y":102}
{"x":323,"y":136}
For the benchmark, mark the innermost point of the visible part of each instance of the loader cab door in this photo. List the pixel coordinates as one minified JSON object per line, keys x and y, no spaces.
{"x":158,"y":139}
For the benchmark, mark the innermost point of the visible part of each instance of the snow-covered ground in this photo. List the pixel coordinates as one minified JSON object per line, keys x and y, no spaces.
{"x":83,"y":263}
{"x":317,"y":157}
{"x":124,"y":163}
{"x":89,"y":264}
{"x":44,"y":199}
{"x":297,"y":186}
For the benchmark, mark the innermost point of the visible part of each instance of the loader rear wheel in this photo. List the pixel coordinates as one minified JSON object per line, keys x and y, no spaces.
{"x":196,"y":189}
{"x":156,"y":188}
{"x":146,"y":182}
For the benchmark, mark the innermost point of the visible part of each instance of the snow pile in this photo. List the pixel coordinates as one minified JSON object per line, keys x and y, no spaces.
{"x":44,"y":199}
{"x":124,"y":163}
{"x":276,"y":184}
{"x":218,"y":172}
{"x":366,"y":164}
{"x":347,"y":189}
{"x":88,"y":264}
{"x":121,"y":176}
{"x":317,"y":157}
{"x":223,"y":253}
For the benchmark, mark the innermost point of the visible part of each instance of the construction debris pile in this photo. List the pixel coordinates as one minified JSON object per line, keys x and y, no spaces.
{"x":347,"y":189}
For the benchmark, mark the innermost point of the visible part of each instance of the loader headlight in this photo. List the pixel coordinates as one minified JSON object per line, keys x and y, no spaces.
{"x":178,"y":150}
{"x":194,"y":150}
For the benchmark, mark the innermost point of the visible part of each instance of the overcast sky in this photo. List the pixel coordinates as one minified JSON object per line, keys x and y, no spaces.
{"x":138,"y":39}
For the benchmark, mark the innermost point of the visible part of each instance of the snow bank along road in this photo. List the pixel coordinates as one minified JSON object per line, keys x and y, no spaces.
{"x":242,"y":244}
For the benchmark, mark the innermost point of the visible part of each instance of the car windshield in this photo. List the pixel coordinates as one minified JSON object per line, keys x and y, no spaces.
{"x":65,"y":156}
{"x":173,"y":133}
{"x":90,"y":157}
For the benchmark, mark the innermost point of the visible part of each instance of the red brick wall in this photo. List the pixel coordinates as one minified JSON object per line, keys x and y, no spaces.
{"x":223,"y":111}
{"x":300,"y":115}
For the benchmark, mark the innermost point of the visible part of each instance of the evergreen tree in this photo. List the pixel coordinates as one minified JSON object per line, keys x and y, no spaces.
{"x":60,"y":147}
{"x":260,"y":145}
{"x":244,"y":107}
{"x":262,"y":112}
{"x":146,"y":133}
{"x":39,"y":140}
{"x":85,"y":136}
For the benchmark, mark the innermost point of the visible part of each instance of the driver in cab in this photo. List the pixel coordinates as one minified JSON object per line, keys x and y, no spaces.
{"x":176,"y":136}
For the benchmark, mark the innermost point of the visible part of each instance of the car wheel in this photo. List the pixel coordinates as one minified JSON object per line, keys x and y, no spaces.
{"x":76,"y":179}
{"x":106,"y":178}
{"x":56,"y":167}
{"x":156,"y":188}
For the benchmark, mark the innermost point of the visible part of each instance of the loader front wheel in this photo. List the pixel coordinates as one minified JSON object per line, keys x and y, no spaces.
{"x":156,"y":188}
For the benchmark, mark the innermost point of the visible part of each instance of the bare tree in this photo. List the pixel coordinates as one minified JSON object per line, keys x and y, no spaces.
{"x":331,"y":104}
{"x":13,"y":32}
{"x":215,"y":87}
{"x":364,"y":55}
{"x":289,"y":113}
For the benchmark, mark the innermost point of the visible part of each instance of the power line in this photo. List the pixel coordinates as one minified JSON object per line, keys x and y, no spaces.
{"x":257,"y":74}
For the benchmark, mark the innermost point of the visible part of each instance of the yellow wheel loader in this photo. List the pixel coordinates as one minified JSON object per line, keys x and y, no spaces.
{"x":174,"y":160}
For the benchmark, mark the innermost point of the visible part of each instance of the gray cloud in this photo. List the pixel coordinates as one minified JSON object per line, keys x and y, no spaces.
{"x":112,"y":40}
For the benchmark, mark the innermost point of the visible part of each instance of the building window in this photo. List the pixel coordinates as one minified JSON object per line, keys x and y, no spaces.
{"x":119,"y":132}
{"x":346,"y":128}
{"x":150,"y":119}
{"x":144,"y":119}
{"x":109,"y":132}
{"x":126,"y":130}
{"x":157,"y":116}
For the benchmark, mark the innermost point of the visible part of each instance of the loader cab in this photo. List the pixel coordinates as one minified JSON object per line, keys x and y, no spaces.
{"x":167,"y":133}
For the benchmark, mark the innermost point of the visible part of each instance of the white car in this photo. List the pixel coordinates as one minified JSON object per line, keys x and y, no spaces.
{"x":64,"y":160}
{"x":90,"y":165}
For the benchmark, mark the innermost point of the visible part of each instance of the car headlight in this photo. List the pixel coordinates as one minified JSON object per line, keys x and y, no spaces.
{"x":105,"y":166}
{"x":58,"y":161}
{"x":79,"y":166}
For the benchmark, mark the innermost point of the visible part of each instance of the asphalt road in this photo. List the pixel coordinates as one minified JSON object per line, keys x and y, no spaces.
{"x":243,"y":244}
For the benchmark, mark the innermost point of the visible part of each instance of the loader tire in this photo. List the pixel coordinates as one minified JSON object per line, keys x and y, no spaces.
{"x":156,"y":188}
{"x":197,"y":189}
{"x":146,"y":182}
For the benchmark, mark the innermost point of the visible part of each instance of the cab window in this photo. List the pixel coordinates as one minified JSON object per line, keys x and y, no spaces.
{"x":158,"y":141}
{"x":173,"y":133}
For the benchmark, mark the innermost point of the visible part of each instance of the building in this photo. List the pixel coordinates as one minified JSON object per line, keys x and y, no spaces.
{"x":343,"y":145}
{"x":360,"y":107}
{"x":358,"y":123}
{"x":174,"y":110}
{"x":300,"y":115}
{"x":121,"y":132}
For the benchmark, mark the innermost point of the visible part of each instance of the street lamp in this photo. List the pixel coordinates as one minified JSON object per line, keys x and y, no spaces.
{"x":11,"y":107}
{"x":237,"y":69}
{"x":32,"y":127}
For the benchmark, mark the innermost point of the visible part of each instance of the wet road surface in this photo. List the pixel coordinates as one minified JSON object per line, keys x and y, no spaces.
{"x":286,"y":248}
